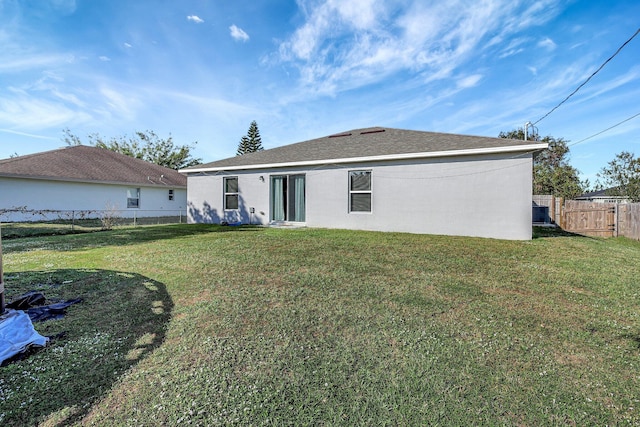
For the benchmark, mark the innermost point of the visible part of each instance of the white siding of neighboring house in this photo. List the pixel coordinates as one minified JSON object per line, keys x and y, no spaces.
{"x":36,"y":194}
{"x":484,"y":196}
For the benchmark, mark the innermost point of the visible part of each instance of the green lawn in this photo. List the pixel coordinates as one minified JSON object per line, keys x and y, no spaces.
{"x":204,"y":325}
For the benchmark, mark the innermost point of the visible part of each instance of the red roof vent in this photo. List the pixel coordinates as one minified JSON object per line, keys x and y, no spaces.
{"x":371,"y":131}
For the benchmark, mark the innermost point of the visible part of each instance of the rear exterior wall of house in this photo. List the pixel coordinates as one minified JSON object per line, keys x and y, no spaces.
{"x":482,"y":195}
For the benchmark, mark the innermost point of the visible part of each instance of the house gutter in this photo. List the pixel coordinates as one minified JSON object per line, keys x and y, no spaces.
{"x":148,"y":183}
{"x":386,"y":157}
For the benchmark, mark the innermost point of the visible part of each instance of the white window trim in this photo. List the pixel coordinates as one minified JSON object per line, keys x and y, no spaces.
{"x":370,"y":192}
{"x":133,"y":198}
{"x":225,"y":194}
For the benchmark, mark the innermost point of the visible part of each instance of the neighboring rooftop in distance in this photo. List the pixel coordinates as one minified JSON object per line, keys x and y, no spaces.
{"x":84,"y":163}
{"x":368,"y":144}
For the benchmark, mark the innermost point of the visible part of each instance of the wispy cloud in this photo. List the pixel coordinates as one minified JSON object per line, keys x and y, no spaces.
{"x":28,"y":112}
{"x":118,"y":102}
{"x":514,"y":47}
{"x":342,"y":45}
{"x":104,"y":58}
{"x":195,"y":18}
{"x":238,"y":33}
{"x":30,"y":135}
{"x":469,"y":81}
{"x":33,"y":61}
{"x":547,"y":43}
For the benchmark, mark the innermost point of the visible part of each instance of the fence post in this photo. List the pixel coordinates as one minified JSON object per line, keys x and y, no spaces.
{"x":616,"y":221}
{"x":134,"y":218}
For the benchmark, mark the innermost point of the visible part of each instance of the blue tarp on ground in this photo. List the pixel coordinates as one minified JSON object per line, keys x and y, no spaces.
{"x":17,"y":334}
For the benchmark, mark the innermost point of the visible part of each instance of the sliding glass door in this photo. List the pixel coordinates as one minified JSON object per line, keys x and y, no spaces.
{"x":288,"y":198}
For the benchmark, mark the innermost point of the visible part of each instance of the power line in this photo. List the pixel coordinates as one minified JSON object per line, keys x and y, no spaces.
{"x":607,"y":129}
{"x":586,"y":81}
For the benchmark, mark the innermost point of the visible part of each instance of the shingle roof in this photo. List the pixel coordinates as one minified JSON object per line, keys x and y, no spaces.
{"x":84,"y":163}
{"x":607,"y":192}
{"x":366,"y":143}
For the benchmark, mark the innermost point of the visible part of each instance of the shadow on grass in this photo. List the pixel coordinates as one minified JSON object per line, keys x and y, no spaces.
{"x":120,"y":237}
{"x":123,"y":318}
{"x":540,"y":232}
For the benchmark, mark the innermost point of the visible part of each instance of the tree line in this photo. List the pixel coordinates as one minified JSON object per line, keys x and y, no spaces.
{"x":552,"y":173}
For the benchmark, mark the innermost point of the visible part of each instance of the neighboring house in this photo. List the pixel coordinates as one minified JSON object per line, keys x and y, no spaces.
{"x":603,"y":196}
{"x":375,"y":179}
{"x":86,"y":178}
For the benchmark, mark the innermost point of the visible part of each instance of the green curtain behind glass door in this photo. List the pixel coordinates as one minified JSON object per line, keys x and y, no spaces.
{"x":299,"y":202}
{"x":277,"y":198}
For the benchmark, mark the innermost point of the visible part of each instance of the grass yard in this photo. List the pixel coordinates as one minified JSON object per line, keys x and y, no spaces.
{"x":203,"y":325}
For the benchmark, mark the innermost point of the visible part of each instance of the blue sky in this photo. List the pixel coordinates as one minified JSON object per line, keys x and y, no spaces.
{"x":202,"y":70}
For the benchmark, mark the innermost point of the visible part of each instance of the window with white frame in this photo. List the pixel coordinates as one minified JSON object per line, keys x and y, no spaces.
{"x":231,"y":193}
{"x":360,"y":191}
{"x":133,"y":198}
{"x":170,"y":194}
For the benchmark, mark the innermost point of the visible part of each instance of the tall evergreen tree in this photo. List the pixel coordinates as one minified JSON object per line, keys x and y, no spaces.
{"x":251,"y":142}
{"x":243,"y":146}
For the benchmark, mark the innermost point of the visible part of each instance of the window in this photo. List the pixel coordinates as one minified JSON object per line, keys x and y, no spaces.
{"x":231,"y":193}
{"x":133,"y":198}
{"x":360,"y":191}
{"x":170,"y":194}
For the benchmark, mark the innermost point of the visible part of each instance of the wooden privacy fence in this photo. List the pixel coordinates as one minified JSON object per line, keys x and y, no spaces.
{"x":628,"y":220}
{"x":594,"y":219}
{"x":588,"y":218}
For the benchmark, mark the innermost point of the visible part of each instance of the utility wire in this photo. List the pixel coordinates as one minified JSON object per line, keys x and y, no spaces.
{"x":586,"y":81}
{"x":607,"y":129}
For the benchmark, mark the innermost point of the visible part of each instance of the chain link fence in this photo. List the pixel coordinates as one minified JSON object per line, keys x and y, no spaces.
{"x":22,"y":222}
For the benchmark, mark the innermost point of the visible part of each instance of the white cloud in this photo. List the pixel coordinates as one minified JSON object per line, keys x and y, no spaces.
{"x":514,"y":47}
{"x":127,"y":45}
{"x":33,"y":61}
{"x":344,"y":45}
{"x":238,"y":33}
{"x":195,"y":18}
{"x":547,"y":43}
{"x":469,"y":81}
{"x":118,"y":102}
{"x":104,"y":58}
{"x":30,"y":135}
{"x":30,"y":113}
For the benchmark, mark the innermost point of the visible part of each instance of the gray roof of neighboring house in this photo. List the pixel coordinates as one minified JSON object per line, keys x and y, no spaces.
{"x":604,"y":193}
{"x":365,"y":144}
{"x":82,"y":163}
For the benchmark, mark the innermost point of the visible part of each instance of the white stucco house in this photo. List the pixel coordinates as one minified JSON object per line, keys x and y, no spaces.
{"x":375,"y":179}
{"x":86,"y":178}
